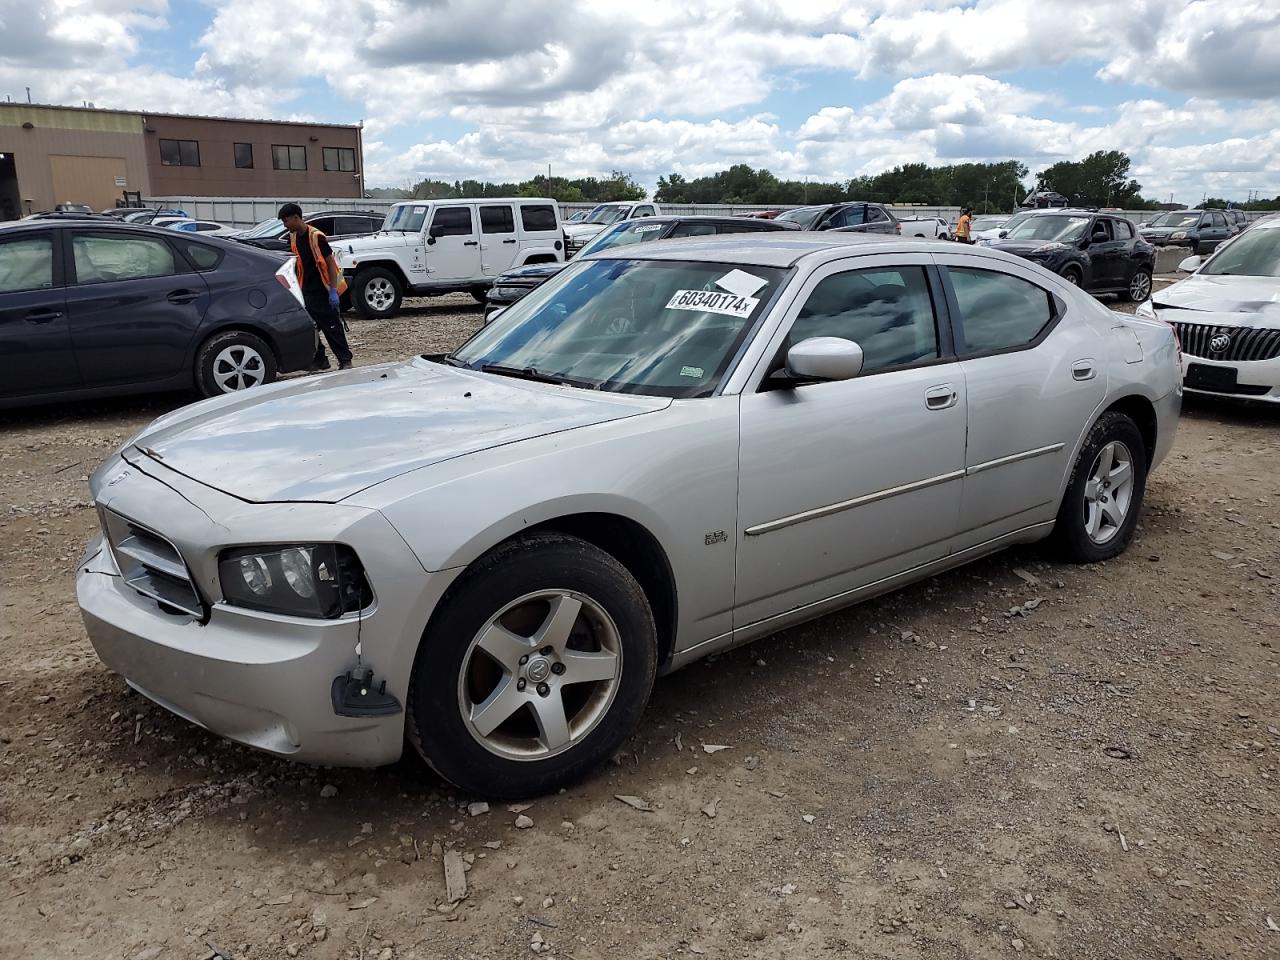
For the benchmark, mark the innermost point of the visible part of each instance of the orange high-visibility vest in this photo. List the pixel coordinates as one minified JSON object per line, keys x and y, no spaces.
{"x":313,"y":237}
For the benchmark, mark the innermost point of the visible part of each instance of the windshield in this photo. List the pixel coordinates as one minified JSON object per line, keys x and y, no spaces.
{"x":577,"y":217}
{"x":407,"y":218}
{"x":1255,"y":253}
{"x":1056,"y":227}
{"x":1175,"y":220}
{"x":988,"y":223}
{"x":805,"y":216}
{"x":606,"y":215}
{"x":267,"y":228}
{"x":657,"y":327}
{"x":633,"y":231}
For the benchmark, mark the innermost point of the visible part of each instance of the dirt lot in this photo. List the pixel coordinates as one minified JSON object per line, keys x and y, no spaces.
{"x":922,"y":776}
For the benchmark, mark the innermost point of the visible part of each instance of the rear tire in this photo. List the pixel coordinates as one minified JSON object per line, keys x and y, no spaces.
{"x":480,"y":294}
{"x":377,"y":293}
{"x":1099,"y":511}
{"x":1139,"y":287}
{"x":232,"y":361}
{"x":504,"y":727}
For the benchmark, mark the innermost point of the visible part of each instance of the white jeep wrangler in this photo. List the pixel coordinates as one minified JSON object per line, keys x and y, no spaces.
{"x":430,"y":247}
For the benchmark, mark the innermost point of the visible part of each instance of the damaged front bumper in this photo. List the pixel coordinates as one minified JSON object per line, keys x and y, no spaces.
{"x":262,"y":679}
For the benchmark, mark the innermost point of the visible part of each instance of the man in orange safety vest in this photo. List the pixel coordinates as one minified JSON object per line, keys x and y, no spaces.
{"x":322,"y":285}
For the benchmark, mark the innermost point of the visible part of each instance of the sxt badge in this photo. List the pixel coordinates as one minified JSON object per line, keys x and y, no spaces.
{"x":716,"y":536}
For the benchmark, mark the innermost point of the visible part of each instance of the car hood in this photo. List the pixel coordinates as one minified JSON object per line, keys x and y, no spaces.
{"x":1020,"y":247}
{"x":1253,"y":301}
{"x":536,"y":272}
{"x":1160,"y":231}
{"x":583,"y":231}
{"x":327,"y":438}
{"x":362,"y":246}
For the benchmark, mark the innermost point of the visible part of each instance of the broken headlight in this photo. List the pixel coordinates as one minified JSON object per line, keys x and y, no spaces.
{"x":321,"y":580}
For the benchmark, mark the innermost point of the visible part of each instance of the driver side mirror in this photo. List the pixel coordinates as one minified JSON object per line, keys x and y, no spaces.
{"x":824,"y":358}
{"x":1003,"y":234}
{"x":1099,"y":236}
{"x":1190,"y":265}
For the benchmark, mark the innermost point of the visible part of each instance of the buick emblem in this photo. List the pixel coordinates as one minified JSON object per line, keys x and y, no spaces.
{"x":1220,"y":343}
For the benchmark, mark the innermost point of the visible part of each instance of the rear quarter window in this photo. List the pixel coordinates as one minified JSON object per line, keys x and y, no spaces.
{"x":999,"y":312}
{"x":538,"y":219}
{"x":201,"y":256}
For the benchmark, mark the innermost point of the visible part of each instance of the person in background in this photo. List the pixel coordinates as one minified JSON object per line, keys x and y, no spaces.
{"x":964,"y":225}
{"x":322,"y":285}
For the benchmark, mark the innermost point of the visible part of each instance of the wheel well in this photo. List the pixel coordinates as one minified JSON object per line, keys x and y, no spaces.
{"x":637,"y":550}
{"x":242,"y":328}
{"x":389,"y":265}
{"x":1141,"y":412}
{"x":540,"y":258}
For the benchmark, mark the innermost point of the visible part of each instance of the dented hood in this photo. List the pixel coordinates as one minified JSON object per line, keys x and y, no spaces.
{"x":1251,"y":301}
{"x":326,"y":438}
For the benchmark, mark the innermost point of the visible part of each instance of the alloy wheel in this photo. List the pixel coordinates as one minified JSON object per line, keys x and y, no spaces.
{"x":1108,"y":493}
{"x":238,"y":367}
{"x":1140,"y":286}
{"x":540,"y":675}
{"x":379,"y":294}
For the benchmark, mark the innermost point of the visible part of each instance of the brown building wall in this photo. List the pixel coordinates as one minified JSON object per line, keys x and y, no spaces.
{"x":217,"y":174}
{"x":71,"y":155}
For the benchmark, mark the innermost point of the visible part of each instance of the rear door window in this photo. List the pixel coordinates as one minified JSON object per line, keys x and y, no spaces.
{"x":538,"y":218}
{"x":26,"y":264}
{"x":325,"y":225}
{"x":106,"y":259}
{"x":497,"y":219}
{"x":999,"y":311}
{"x":1122,"y":229}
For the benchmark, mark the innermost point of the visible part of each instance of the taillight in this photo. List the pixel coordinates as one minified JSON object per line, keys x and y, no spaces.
{"x":897,"y":228}
{"x":282,"y":281}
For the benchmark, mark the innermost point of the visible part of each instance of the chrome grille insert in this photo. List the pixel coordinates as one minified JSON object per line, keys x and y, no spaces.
{"x":151,"y":565}
{"x":1245,"y":343}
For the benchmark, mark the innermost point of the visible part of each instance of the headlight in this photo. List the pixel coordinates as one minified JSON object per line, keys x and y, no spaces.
{"x":320,"y":580}
{"x":1049,"y":247}
{"x":1180,"y":235}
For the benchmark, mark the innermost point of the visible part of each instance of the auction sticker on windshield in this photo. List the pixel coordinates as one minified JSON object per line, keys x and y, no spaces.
{"x":708,"y":301}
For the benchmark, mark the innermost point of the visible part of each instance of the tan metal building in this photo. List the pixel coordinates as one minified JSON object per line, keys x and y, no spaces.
{"x":51,"y":155}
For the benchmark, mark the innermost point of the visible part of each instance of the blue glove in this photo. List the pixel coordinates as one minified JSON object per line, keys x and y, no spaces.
{"x":333,"y":298}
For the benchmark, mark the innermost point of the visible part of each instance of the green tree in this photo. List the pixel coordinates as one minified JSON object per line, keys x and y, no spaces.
{"x":1101,"y":179}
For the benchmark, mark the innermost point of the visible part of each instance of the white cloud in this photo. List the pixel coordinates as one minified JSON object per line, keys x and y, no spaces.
{"x":594,"y":85}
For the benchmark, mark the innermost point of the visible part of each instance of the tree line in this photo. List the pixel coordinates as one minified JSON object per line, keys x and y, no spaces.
{"x":1099,"y":180}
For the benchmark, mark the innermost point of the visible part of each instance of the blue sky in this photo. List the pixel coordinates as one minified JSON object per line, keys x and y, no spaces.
{"x":490,"y":89}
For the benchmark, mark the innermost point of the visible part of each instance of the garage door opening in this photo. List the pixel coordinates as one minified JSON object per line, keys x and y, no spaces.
{"x":10,"y":199}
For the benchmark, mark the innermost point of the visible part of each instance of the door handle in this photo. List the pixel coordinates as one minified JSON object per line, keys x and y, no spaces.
{"x":512,"y":240}
{"x":182,"y":296}
{"x":1083,"y":370}
{"x":471,"y":243}
{"x":941,"y":397}
{"x":42,"y":316}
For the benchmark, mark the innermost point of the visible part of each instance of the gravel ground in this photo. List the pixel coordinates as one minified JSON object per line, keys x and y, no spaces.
{"x":945,"y":772}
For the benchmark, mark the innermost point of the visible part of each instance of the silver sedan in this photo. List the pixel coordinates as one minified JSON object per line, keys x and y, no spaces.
{"x":662,"y":453}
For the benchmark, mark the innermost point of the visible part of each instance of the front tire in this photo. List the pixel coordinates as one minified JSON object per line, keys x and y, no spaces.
{"x":536,"y":666}
{"x":378,"y":293}
{"x":1073,"y":276}
{"x":232,"y":361}
{"x":1099,"y":511}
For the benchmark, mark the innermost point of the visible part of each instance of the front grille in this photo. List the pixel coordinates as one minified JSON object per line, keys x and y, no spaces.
{"x":151,"y":565}
{"x":1246,"y":343}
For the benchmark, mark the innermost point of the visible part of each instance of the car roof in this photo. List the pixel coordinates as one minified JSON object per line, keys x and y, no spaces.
{"x":699,"y":218}
{"x":775,"y":248}
{"x":411,"y":203}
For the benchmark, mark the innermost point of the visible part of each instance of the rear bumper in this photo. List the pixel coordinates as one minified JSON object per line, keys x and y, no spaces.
{"x":1168,"y":409}
{"x":294,"y":338}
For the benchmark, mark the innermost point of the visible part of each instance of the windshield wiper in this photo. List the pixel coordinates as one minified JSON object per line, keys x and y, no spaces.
{"x":537,"y":376}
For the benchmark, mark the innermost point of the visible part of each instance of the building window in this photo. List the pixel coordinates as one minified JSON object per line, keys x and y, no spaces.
{"x":180,"y":153}
{"x":342,"y":159}
{"x":288,"y":157}
{"x":244,"y":156}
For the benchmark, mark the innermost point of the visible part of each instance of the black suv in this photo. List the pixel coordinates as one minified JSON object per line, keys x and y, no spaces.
{"x":1099,"y":252}
{"x":514,"y":284}
{"x":271,"y":235}
{"x":851,"y":216}
{"x":93,"y":308}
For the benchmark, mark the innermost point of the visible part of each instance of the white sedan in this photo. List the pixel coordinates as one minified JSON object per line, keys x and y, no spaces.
{"x":1227,"y":316}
